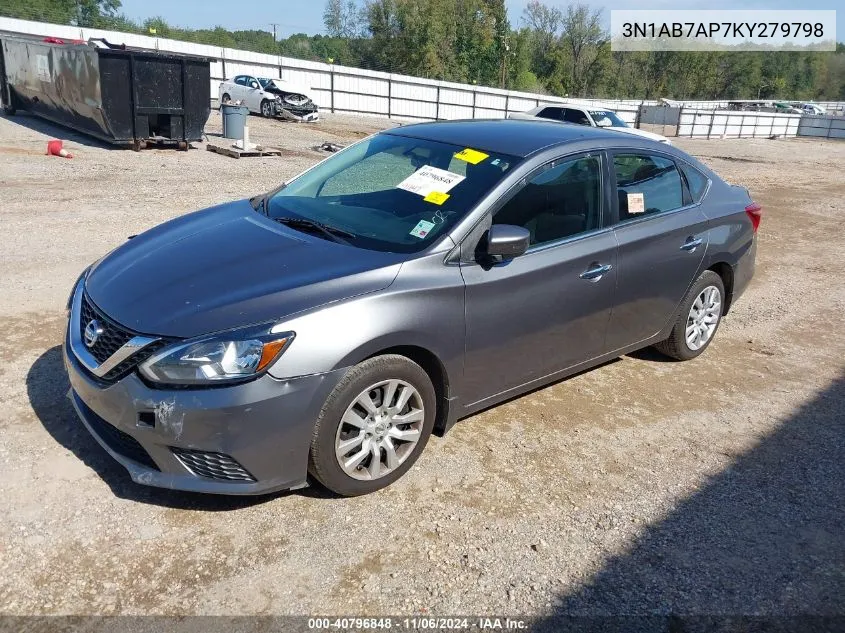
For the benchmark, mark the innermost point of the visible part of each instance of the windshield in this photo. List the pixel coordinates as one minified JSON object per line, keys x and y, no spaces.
{"x":264,"y":81}
{"x":606,"y":118}
{"x":392,"y":193}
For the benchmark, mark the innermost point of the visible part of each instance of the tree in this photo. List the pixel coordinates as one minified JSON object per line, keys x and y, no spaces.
{"x":342,"y":18}
{"x":585,"y":40}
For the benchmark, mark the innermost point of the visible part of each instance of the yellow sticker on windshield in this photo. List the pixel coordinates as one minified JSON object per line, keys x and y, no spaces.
{"x":471,"y":156}
{"x":435,"y":197}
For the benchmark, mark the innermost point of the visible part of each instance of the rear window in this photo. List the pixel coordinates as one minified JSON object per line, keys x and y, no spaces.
{"x":550,"y":113}
{"x":696,"y":181}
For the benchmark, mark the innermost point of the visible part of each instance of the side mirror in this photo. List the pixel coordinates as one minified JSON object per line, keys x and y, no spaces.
{"x":254,"y":85}
{"x":507,"y":240}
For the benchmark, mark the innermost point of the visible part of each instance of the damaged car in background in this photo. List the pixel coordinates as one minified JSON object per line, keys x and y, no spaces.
{"x":270,"y":97}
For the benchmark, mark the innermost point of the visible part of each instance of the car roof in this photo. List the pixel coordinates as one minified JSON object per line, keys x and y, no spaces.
{"x":516,"y":137}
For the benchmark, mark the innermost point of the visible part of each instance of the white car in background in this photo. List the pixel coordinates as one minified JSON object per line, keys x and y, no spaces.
{"x":270,"y":97}
{"x":810,"y":108}
{"x":594,"y":116}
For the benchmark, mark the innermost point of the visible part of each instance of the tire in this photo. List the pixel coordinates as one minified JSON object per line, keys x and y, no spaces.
{"x":369,"y":378}
{"x":266,"y":109}
{"x":678,"y":346}
{"x":226,"y":98}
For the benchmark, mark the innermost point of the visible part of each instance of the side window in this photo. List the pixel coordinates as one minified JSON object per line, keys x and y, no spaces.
{"x":575,"y":116}
{"x":696,"y":181}
{"x":562,"y":200}
{"x":551,"y":113}
{"x":646,"y":184}
{"x":240,"y":80}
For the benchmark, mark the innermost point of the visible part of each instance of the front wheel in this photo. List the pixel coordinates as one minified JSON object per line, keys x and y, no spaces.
{"x":266,"y":109}
{"x":373,"y":426}
{"x":698,"y":318}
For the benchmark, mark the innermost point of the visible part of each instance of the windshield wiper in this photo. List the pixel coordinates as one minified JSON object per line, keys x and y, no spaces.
{"x":331,"y":232}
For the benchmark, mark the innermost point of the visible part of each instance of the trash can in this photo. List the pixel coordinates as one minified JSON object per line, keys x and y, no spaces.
{"x":234,"y":120}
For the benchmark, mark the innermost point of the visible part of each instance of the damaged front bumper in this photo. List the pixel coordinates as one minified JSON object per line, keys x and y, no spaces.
{"x":246,"y":439}
{"x":306,"y":114}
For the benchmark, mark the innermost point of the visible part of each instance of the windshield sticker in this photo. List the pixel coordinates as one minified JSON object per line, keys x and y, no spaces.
{"x":437,"y":197}
{"x":636,"y":203}
{"x":472,"y":156}
{"x":428,"y":179}
{"x":422,"y":228}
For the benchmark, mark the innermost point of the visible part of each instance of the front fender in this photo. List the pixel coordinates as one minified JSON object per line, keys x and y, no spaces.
{"x":424,"y":308}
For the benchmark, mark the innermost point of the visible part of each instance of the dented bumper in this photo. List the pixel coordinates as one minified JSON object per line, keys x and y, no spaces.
{"x":251,"y":438}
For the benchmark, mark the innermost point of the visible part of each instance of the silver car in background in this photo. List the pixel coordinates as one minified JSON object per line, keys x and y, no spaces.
{"x":322,"y":332}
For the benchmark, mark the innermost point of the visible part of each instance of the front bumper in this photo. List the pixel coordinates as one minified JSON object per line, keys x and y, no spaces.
{"x":304,"y":114}
{"x":246,"y":439}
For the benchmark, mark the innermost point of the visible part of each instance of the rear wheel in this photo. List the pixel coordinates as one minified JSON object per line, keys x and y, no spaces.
{"x":226,"y":98}
{"x":698,"y":318}
{"x":373,"y":426}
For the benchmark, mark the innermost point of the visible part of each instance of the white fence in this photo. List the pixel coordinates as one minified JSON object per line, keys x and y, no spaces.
{"x":731,"y":124}
{"x":822,"y":126}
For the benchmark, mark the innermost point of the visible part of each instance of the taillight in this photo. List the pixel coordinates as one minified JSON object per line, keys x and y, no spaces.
{"x":755,"y":213}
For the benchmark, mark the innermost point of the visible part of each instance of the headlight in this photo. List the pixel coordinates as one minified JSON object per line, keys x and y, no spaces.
{"x":229,"y":357}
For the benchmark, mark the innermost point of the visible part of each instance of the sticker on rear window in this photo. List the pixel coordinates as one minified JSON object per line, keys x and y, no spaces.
{"x":422,"y":228}
{"x":636,"y":203}
{"x":472,"y":156}
{"x":437,"y":197}
{"x":428,"y":179}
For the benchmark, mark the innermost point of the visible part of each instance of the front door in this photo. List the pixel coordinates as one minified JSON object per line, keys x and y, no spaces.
{"x":548,"y":309}
{"x":662,"y":239}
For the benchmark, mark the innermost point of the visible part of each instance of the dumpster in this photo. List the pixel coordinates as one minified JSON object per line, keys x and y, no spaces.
{"x":119,"y":95}
{"x":234,"y":120}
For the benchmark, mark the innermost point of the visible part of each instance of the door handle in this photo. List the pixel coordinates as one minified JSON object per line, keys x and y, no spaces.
{"x":691,"y":244}
{"x":595,"y":273}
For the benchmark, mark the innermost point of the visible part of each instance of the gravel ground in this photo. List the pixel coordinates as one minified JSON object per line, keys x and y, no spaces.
{"x":644,"y":486}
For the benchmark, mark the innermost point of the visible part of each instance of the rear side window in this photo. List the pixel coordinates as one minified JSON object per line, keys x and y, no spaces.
{"x":575,"y":116}
{"x":696,"y":182}
{"x":240,"y":79}
{"x":550,"y":113}
{"x":646,"y":184}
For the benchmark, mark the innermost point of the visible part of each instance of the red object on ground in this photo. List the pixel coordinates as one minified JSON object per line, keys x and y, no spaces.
{"x":54,"y":40}
{"x":54,"y":148}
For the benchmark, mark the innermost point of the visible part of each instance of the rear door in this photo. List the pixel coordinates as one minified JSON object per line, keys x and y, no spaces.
{"x":662,"y":239}
{"x":548,"y":309}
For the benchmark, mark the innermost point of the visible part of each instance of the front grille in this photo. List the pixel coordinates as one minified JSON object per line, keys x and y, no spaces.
{"x":113,"y":337}
{"x":212,"y":465}
{"x":115,"y":439}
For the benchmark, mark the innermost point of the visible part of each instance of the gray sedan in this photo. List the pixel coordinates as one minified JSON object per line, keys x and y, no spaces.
{"x":323,"y":331}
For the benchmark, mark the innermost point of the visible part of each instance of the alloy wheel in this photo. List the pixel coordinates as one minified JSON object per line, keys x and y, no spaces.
{"x":380,"y":429}
{"x":703,"y":317}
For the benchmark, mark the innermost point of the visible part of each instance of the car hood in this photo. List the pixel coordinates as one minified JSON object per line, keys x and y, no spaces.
{"x":637,"y":132}
{"x":228,"y":267}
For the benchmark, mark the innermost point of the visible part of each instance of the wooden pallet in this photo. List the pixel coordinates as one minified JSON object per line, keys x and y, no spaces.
{"x":234,"y":152}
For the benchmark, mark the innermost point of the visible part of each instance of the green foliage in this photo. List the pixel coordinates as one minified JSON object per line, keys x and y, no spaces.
{"x":553,"y":50}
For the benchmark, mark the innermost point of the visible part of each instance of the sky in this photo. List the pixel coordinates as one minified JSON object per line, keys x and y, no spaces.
{"x":297,"y":16}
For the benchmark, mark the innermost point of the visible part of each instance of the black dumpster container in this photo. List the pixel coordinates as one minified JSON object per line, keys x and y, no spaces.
{"x":122,"y":96}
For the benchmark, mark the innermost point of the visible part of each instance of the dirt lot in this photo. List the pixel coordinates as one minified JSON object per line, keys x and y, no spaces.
{"x":644,"y":486}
